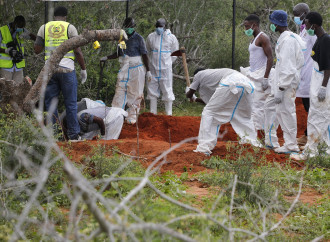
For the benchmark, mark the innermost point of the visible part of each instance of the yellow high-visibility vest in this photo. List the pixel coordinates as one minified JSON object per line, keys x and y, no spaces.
{"x":5,"y":59}
{"x":56,"y":32}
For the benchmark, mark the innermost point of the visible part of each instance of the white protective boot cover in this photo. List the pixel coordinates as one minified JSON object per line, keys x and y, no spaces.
{"x":168,"y":108}
{"x":318,"y":123}
{"x":153,"y":106}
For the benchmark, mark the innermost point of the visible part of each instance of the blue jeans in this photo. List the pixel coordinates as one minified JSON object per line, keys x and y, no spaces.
{"x":68,"y":84}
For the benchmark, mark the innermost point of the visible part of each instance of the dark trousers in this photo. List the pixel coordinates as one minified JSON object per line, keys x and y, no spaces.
{"x":67,"y":84}
{"x":305,"y":101}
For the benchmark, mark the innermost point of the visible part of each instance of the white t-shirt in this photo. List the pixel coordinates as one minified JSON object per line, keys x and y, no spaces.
{"x":72,"y":32}
{"x":208,"y":80}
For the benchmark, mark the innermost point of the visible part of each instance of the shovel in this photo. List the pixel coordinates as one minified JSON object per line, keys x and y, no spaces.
{"x":182,"y":52}
{"x":102,"y":64}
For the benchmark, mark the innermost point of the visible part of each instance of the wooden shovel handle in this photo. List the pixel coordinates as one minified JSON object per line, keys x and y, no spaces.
{"x":185,"y":66}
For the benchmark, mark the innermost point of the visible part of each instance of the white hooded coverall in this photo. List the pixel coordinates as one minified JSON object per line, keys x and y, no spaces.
{"x":207,"y":81}
{"x":289,"y":61}
{"x":306,"y":71}
{"x":231,"y":102}
{"x":130,"y":85}
{"x":159,"y":49}
{"x":318,"y":123}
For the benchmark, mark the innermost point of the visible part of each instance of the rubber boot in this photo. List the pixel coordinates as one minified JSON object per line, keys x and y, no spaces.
{"x":153,"y":106}
{"x":168,"y":107}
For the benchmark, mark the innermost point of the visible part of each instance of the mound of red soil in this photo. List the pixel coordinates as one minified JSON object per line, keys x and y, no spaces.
{"x":159,"y":133}
{"x":175,"y":129}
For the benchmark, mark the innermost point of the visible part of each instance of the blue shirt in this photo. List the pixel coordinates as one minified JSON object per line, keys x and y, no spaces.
{"x":135,"y":46}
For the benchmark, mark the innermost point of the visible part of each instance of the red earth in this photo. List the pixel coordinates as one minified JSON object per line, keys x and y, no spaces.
{"x":158,"y":133}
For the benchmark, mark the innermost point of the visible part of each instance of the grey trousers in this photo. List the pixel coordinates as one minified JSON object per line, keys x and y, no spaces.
{"x":17,"y":76}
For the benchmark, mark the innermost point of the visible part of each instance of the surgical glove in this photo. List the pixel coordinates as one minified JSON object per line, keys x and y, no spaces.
{"x":322,"y":93}
{"x":149,"y":76}
{"x":25,"y":35}
{"x":193,"y":98}
{"x":104,"y":58}
{"x":279,"y":96}
{"x":83,"y":74}
{"x":8,"y":50}
{"x":265,"y":84}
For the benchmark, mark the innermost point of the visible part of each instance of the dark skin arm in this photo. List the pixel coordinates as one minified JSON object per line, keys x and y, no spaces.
{"x":113,"y":56}
{"x":326,"y":78}
{"x":264,"y":42}
{"x":100,"y":123}
{"x":38,"y":49}
{"x":145,"y":61}
{"x":190,"y":94}
{"x":33,"y":36}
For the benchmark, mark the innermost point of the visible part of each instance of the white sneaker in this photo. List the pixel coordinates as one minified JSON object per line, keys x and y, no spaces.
{"x":298,"y":157}
{"x":205,"y":153}
{"x":284,"y":150}
{"x":77,"y":139}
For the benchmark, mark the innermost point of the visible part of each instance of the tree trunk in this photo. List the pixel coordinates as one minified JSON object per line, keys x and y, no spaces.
{"x":11,"y":95}
{"x":52,"y":64}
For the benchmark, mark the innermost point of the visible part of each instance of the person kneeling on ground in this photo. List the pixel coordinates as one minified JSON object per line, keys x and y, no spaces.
{"x":95,"y":118}
{"x":230,"y":101}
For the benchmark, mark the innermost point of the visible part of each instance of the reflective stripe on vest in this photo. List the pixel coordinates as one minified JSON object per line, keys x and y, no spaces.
{"x":56,"y":32}
{"x":5,"y":60}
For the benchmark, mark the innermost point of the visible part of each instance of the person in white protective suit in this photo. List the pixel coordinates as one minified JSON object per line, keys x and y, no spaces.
{"x":97,"y":119}
{"x":318,"y":123}
{"x":289,"y":61}
{"x":260,"y":72}
{"x":133,"y":61}
{"x":230,"y":102}
{"x":300,"y":11}
{"x":160,"y":44}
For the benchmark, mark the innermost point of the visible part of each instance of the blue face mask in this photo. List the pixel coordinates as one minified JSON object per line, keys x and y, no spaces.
{"x":18,"y":30}
{"x":160,"y":30}
{"x":297,"y":20}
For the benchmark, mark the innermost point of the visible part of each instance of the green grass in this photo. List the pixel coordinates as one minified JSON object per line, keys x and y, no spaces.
{"x":260,"y":189}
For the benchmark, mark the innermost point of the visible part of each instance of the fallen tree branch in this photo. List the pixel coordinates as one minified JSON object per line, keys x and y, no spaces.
{"x":51,"y":65}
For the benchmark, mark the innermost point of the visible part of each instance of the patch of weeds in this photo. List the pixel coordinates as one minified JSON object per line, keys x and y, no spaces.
{"x":322,"y":159}
{"x":24,"y":132}
{"x":309,"y":222}
{"x":215,"y":178}
{"x":169,"y":183}
{"x":184,"y":176}
{"x":250,"y":185}
{"x":104,"y":165}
